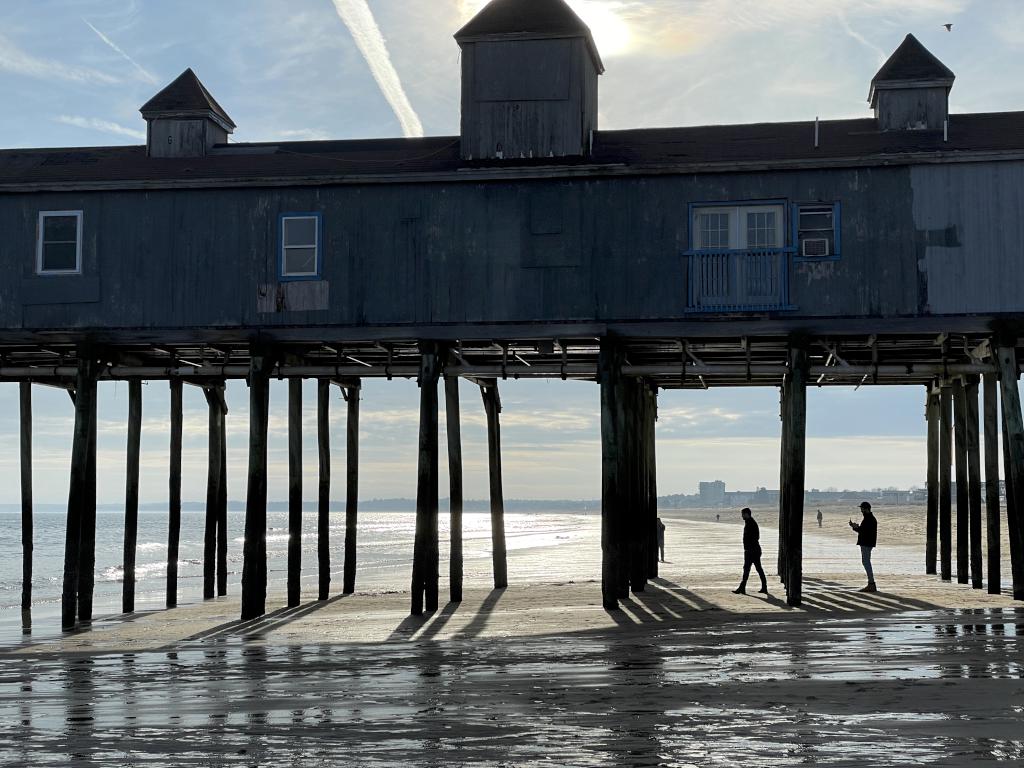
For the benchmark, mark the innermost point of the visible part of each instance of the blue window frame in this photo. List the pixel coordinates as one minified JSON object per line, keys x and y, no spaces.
{"x":301,"y":246}
{"x":817,"y":231}
{"x":739,"y":226}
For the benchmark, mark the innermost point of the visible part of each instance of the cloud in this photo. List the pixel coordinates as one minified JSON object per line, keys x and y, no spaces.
{"x":13,"y":59}
{"x":103,"y":126}
{"x":145,"y":74}
{"x":368,"y":38}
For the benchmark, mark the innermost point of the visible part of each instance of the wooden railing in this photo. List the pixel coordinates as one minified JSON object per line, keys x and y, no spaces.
{"x":738,"y":281}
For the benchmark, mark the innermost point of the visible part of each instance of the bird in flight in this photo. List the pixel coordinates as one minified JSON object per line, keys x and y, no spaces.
{"x":949,"y":27}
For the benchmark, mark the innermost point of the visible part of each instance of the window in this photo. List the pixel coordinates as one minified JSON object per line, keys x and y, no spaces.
{"x":817,"y":230}
{"x":59,"y":246}
{"x":738,"y":228}
{"x":300,"y":246}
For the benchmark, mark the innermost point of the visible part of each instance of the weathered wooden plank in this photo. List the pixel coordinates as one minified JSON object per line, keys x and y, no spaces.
{"x":796,"y":429}
{"x":454,"y":430}
{"x":991,"y":419}
{"x":1009,"y":373}
{"x":174,"y":495}
{"x":962,"y":481}
{"x":945,"y":482}
{"x":323,"y":518}
{"x":610,"y":378}
{"x":932,"y":522}
{"x":294,"y":491}
{"x":974,"y":480}
{"x":131,"y":494}
{"x":25,"y":405}
{"x":215,"y":415}
{"x":492,"y":407}
{"x":352,"y":395}
{"x":254,"y":551}
{"x":426,"y":485}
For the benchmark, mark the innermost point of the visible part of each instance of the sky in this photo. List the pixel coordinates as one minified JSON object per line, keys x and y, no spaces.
{"x":78,"y":71}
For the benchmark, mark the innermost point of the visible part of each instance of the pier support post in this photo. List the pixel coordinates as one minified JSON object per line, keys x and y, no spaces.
{"x":214,"y":474}
{"x":612,"y":487}
{"x":425,"y":563}
{"x":650,"y":477}
{"x":131,"y":494}
{"x":990,"y":389}
{"x":962,"y":481}
{"x":1014,"y":447}
{"x":323,"y":504}
{"x":77,"y":520}
{"x":294,"y":492}
{"x":25,"y":403}
{"x":932,"y":523}
{"x":454,"y":429}
{"x":222,"y":502}
{"x":637,"y":508}
{"x":795,"y":429}
{"x":974,"y":479}
{"x":352,"y":390}
{"x":254,"y":566}
{"x":174,"y":495}
{"x":945,"y":482}
{"x":492,"y":407}
{"x":784,"y":456}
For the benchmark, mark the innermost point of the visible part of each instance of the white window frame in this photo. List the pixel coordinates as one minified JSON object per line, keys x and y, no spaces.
{"x":285,"y":275}
{"x":738,"y":225}
{"x":40,"y":235}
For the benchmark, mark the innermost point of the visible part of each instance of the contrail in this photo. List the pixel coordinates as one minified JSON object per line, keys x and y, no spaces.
{"x":106,"y":126}
{"x":364,"y":30}
{"x":146,"y":74}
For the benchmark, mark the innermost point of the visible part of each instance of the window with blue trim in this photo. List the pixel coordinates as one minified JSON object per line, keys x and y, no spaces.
{"x":817,"y":231}
{"x":738,"y":227}
{"x":301,"y":250}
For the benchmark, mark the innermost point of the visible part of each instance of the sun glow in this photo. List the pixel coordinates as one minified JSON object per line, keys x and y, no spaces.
{"x":610,"y":29}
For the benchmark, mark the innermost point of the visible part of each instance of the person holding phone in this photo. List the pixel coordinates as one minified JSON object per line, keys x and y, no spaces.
{"x":867,"y":539}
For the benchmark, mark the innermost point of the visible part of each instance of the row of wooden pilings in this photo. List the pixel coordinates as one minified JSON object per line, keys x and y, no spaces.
{"x":80,"y":541}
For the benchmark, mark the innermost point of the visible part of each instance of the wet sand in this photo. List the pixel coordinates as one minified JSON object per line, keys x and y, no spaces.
{"x":687,"y":674}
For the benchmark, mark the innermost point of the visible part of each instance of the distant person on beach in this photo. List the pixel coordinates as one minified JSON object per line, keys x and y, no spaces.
{"x":820,"y":517}
{"x":718,"y":517}
{"x":661,"y":539}
{"x":751,"y":553}
{"x":867,"y":538}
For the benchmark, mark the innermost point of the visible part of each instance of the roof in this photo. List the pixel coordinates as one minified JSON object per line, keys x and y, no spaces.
{"x":755,"y":147}
{"x":911,"y":62}
{"x":528,"y":19}
{"x":186,"y":95}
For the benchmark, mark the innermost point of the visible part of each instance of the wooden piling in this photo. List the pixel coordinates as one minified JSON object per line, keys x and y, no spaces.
{"x":323,"y":514}
{"x":174,"y":495}
{"x":795,"y":428}
{"x":254,"y":566}
{"x":962,"y":481}
{"x":294,"y":492}
{"x":1011,"y":502}
{"x":945,"y":481}
{"x":454,"y":429}
{"x":131,"y":494}
{"x":1009,"y":374}
{"x":784,"y":457}
{"x":932,"y":523}
{"x":974,"y":480}
{"x":612,"y":499}
{"x":353,"y":392}
{"x":25,"y":404}
{"x":215,"y":415}
{"x":87,"y":572}
{"x":424,"y":575}
{"x":222,"y":503}
{"x":991,"y":417}
{"x":637,"y":510}
{"x":651,"y":476}
{"x":492,"y":407}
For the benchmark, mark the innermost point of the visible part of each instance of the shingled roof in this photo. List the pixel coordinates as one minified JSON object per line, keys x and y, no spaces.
{"x":910,"y":62}
{"x":186,"y":95}
{"x":526,"y":19}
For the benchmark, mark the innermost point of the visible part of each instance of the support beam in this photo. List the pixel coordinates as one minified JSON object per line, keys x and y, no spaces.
{"x":294,"y":492}
{"x":991,"y":417}
{"x":492,"y":406}
{"x":782,"y":561}
{"x":974,"y":480}
{"x":424,"y":568}
{"x":222,"y":503}
{"x":1011,"y":502}
{"x":945,"y":482}
{"x":131,"y":494}
{"x":962,"y":481}
{"x":932,"y":525}
{"x":87,"y":573}
{"x":795,"y":427}
{"x":25,"y":402}
{"x":215,"y":415}
{"x":637,"y":509}
{"x":612,"y":496}
{"x":651,"y":476}
{"x":352,"y":394}
{"x":454,"y":429}
{"x":323,"y":506}
{"x":254,"y":551}
{"x":174,"y":495}
{"x":1009,"y":372}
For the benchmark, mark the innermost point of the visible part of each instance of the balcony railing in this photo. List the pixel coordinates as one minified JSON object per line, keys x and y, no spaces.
{"x":738,"y":281}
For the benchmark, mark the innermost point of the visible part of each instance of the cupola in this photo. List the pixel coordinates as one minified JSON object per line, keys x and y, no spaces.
{"x":911,"y":90}
{"x":184,"y":120}
{"x":529,"y":81}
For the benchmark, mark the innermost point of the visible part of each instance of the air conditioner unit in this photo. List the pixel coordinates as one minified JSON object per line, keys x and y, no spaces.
{"x":815,"y":247}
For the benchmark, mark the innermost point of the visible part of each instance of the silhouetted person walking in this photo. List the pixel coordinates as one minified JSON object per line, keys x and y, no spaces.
{"x":751,"y":553}
{"x":867,"y":538}
{"x":661,"y":539}
{"x":820,"y":517}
